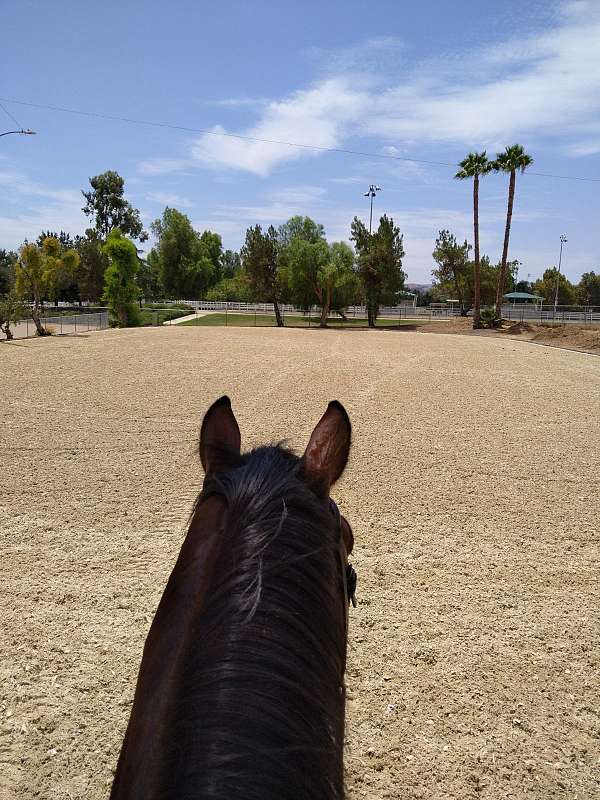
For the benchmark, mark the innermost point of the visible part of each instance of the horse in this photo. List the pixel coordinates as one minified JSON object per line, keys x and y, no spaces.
{"x":240,"y":692}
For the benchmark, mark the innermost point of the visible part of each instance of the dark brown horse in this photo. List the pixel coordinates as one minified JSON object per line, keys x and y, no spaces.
{"x":241,"y":689}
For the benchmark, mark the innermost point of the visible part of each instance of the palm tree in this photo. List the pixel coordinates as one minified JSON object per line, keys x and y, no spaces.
{"x":512,"y":159}
{"x":474,"y":165}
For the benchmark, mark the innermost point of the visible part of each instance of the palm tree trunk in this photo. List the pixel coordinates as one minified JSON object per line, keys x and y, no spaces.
{"x":503,"y":266}
{"x":477,"y":281}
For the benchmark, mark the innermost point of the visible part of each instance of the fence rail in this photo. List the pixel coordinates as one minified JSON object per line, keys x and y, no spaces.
{"x":519,"y":313}
{"x":66,"y":324}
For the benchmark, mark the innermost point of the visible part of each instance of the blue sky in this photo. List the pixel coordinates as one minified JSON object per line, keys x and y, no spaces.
{"x":424,"y":80}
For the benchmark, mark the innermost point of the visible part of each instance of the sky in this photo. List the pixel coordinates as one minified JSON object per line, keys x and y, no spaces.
{"x":428,"y":81}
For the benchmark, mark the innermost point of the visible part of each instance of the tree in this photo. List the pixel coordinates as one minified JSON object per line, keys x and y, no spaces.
{"x":39,"y":270}
{"x":8,"y":259}
{"x":488,"y":274}
{"x":299,"y":227}
{"x":453,"y":268}
{"x":320,"y":272}
{"x":232,"y":263}
{"x":473,"y":166}
{"x":107,"y":207}
{"x":12,"y":309}
{"x":93,"y":263}
{"x":588,"y":289}
{"x":120,"y":289}
{"x":148,"y":280}
{"x":261,"y":262}
{"x":187,"y":263}
{"x":236,"y":288}
{"x":512,"y":159}
{"x":379,"y":263}
{"x":212,"y":246}
{"x":546,"y":288}
{"x":66,"y":287}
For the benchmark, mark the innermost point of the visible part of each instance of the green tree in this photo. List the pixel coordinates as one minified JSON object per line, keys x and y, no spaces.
{"x":232,"y":263}
{"x":512,"y":159}
{"x":148,"y":280}
{"x":107,"y":207}
{"x":93,"y":263}
{"x":445,"y":286}
{"x":588,"y":289}
{"x":546,"y":287}
{"x":8,"y":259}
{"x":38,"y":271}
{"x":120,"y":289}
{"x":12,"y":309}
{"x":379,"y":257}
{"x":212,"y":246}
{"x":321,"y":273}
{"x":66,"y":287}
{"x":228,"y":289}
{"x":186,"y":262}
{"x":261,"y":261}
{"x":473,"y":166}
{"x":454,"y":268}
{"x":299,"y":227}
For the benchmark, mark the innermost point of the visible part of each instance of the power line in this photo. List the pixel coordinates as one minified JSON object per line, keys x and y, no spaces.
{"x":205,"y":131}
{"x":8,"y":114}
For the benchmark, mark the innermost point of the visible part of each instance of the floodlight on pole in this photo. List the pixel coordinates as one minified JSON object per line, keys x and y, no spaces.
{"x":563,"y":240}
{"x":373,"y":189}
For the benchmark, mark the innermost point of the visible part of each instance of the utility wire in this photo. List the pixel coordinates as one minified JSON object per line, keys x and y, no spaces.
{"x":8,"y":114}
{"x":205,"y":131}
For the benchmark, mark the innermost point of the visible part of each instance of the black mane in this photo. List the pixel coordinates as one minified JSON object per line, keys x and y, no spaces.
{"x":261,"y":692}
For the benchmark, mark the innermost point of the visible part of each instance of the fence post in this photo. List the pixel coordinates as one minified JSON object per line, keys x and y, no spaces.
{"x":226,"y":306}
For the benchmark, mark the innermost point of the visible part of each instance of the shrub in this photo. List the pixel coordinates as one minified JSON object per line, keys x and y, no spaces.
{"x":489,"y":318}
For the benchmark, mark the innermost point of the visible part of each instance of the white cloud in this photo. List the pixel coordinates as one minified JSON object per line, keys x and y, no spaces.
{"x":240,"y":102}
{"x":163,"y":166}
{"x":312,"y":117}
{"x":46,"y":209}
{"x":169,"y":199}
{"x":299,"y":194}
{"x":544,"y":86}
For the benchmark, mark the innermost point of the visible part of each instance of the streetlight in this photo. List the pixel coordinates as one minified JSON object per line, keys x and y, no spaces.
{"x":563,"y":239}
{"x":371,"y":193}
{"x":26,"y":132}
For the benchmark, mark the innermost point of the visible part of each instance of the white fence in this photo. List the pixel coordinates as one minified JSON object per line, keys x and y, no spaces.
{"x":518,"y":312}
{"x":72,"y":323}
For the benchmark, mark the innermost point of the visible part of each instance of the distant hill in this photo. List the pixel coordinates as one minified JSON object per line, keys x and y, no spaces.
{"x":422,"y":287}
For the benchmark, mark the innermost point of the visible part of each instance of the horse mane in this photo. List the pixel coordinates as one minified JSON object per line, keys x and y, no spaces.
{"x":260,"y":691}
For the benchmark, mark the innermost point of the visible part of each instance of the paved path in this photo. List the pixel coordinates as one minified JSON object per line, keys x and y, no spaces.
{"x":179,"y":320}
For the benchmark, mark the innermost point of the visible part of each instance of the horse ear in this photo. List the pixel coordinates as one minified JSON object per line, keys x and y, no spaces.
{"x":220,"y":438}
{"x":327,"y":451}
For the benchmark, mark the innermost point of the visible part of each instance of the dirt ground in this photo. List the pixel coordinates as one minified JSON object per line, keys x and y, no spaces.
{"x":473,"y":490}
{"x":584,"y":338}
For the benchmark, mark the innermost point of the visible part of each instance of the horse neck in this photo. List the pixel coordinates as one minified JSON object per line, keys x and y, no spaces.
{"x":241,"y":687}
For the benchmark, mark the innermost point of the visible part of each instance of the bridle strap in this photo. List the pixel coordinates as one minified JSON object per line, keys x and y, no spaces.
{"x":348,"y":572}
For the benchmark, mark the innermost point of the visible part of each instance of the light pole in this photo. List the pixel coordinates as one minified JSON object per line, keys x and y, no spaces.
{"x":26,"y":132}
{"x":371,"y":193}
{"x":563,"y":239}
